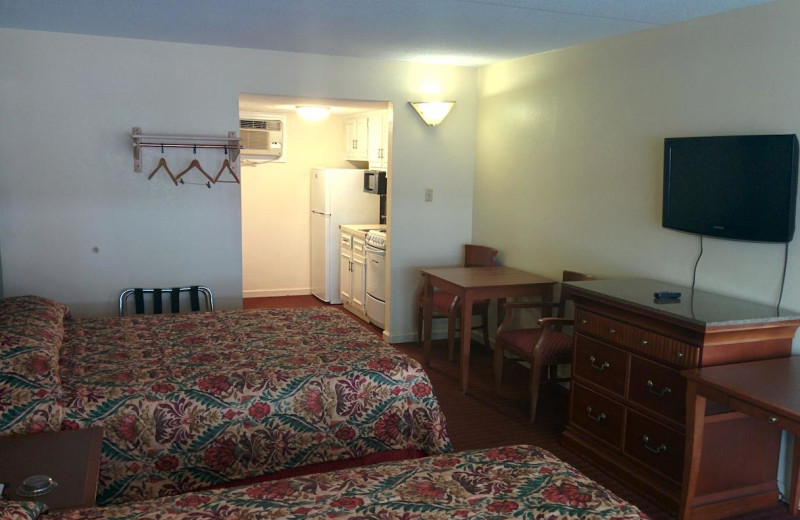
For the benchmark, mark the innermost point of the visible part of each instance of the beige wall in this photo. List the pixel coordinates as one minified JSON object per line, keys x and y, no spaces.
{"x":570,"y":148}
{"x":276,"y":205}
{"x":67,"y":105}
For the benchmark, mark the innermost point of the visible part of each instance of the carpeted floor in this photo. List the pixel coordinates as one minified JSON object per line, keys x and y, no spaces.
{"x":482,"y":419}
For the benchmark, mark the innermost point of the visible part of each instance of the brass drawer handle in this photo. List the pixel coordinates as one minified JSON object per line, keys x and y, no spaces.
{"x":658,"y":449}
{"x":601,"y":368}
{"x":612,"y":331}
{"x":679,"y":354}
{"x":596,"y":418}
{"x":772,"y":419}
{"x":659,"y":393}
{"x":644,"y":342}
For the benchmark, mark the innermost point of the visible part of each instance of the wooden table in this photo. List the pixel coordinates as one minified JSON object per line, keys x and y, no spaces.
{"x":768,"y":391}
{"x":477,"y":283}
{"x":71,"y":458}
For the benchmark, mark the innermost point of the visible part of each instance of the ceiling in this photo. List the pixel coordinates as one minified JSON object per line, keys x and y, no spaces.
{"x":452,"y":32}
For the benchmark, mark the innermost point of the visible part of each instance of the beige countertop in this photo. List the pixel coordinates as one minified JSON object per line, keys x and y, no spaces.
{"x":360,"y":230}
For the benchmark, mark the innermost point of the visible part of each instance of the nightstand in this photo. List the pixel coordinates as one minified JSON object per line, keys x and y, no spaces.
{"x":70,"y":457}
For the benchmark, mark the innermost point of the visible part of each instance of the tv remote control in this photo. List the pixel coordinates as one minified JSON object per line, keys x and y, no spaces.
{"x":666,"y":295}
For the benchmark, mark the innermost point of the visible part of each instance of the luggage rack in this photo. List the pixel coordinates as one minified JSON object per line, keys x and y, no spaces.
{"x":175,"y":298}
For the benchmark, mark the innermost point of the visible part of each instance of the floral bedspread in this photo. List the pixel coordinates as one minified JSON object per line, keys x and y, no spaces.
{"x":510,"y":482}
{"x":193,"y":400}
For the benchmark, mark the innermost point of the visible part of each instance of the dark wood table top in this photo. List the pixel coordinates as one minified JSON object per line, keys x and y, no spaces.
{"x":701,"y":308}
{"x":773,"y":384}
{"x":485,"y":277}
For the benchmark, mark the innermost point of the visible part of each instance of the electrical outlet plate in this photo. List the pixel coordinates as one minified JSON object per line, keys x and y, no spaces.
{"x":428,"y":194}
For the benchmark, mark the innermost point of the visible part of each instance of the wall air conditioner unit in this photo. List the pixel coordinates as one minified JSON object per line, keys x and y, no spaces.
{"x":262,"y":137}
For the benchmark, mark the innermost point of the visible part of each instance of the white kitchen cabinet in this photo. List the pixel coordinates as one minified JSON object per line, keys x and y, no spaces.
{"x":345,"y":267}
{"x":378,"y":139}
{"x":353,"y":274}
{"x":358,"y":294}
{"x":356,"y":138}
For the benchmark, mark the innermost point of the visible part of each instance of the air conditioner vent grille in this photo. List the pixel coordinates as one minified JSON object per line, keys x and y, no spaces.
{"x":263,"y":136}
{"x":260,"y":124}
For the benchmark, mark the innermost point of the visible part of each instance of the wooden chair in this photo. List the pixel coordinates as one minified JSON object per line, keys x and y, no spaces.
{"x":544,"y":347}
{"x":448,"y":306}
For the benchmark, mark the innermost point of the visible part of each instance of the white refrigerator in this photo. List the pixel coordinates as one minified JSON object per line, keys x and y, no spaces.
{"x":337,"y":197}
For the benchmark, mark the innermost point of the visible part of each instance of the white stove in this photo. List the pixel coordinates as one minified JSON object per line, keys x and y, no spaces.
{"x":376,"y":238}
{"x":376,"y":276}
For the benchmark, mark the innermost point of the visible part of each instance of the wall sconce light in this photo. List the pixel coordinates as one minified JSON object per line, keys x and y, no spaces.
{"x":432,"y":112}
{"x":313,"y":113}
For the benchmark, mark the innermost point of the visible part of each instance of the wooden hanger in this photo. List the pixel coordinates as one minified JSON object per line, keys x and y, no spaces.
{"x":226,"y":165}
{"x":195,"y":164}
{"x":162,"y":163}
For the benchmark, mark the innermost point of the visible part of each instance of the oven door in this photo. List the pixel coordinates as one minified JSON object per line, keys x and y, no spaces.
{"x":376,"y":273}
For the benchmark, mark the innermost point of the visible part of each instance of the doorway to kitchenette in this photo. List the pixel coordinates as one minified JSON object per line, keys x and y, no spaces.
{"x":275,"y":181}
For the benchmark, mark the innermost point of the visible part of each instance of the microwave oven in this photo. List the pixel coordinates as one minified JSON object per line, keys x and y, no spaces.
{"x":375,"y":182}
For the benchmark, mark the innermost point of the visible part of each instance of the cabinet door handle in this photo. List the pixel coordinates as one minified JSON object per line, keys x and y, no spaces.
{"x":659,"y":393}
{"x":596,"y":418}
{"x":644,"y":342}
{"x":661,"y":448}
{"x":772,"y":419}
{"x":612,"y":331}
{"x":601,"y":368}
{"x":584,"y":321}
{"x":679,"y":355}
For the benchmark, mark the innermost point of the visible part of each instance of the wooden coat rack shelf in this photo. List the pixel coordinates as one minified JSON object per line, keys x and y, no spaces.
{"x":231,"y":145}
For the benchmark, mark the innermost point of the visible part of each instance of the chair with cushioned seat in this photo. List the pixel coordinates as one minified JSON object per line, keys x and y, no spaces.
{"x":446,"y":305}
{"x":544,"y":347}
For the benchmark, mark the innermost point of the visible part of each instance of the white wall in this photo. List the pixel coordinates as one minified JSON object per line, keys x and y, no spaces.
{"x":276,"y":204}
{"x":570,"y":148}
{"x":67,"y":105}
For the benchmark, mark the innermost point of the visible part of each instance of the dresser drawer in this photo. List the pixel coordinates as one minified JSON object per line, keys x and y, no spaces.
{"x":645,"y":342}
{"x":599,"y":416}
{"x":657,"y":388}
{"x":655,"y":445}
{"x":601,"y":364}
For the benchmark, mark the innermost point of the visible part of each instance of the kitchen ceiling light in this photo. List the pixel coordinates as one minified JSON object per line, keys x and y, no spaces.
{"x":432,"y":112}
{"x":313,"y":113}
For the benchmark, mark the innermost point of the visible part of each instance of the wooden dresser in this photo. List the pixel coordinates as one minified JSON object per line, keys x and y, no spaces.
{"x":628,"y":400}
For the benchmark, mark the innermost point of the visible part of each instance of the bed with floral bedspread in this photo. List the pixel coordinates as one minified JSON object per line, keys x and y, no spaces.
{"x":189,"y":401}
{"x":509,"y":482}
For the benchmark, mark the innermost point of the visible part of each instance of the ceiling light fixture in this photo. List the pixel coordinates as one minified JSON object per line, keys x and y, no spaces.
{"x":313,"y":113}
{"x":432,"y":112}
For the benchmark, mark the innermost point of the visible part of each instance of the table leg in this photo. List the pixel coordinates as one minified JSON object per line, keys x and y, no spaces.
{"x":427,"y":319}
{"x":794,"y":490}
{"x":695,"y":424}
{"x":466,"y":339}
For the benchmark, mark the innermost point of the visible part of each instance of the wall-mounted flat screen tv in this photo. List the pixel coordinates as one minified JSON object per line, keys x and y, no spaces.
{"x":734,"y":187}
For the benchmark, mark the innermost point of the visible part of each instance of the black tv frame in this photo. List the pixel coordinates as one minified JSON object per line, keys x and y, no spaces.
{"x":751,"y":210}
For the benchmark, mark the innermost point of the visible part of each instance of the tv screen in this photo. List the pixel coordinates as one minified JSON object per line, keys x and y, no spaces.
{"x":735,"y":187}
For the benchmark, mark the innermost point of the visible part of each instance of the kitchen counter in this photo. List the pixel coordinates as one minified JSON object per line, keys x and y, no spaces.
{"x":360,"y":230}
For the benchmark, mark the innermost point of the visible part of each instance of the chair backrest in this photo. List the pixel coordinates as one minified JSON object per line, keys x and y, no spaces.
{"x":174,"y":293}
{"x":479,"y":256}
{"x":570,"y":276}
